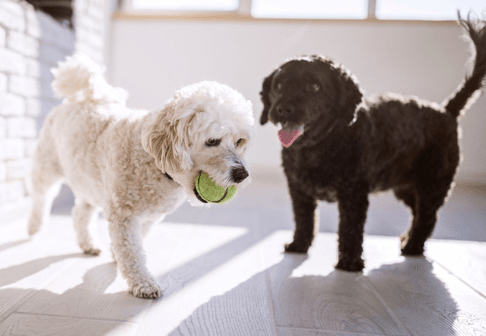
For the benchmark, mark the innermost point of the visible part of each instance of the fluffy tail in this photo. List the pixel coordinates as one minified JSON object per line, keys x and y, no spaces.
{"x":470,"y":89}
{"x":79,"y":79}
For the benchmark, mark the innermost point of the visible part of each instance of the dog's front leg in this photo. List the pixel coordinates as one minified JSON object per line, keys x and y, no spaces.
{"x":306,"y":216}
{"x":126,"y":245}
{"x":353,"y":206}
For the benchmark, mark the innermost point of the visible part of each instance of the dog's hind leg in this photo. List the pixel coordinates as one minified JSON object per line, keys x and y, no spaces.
{"x":46,"y":175}
{"x":84,"y":216}
{"x":407,"y":195}
{"x":425,"y":206}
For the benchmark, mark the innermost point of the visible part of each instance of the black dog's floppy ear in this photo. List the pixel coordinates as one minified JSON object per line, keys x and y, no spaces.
{"x":350,"y":94}
{"x":267,"y":82}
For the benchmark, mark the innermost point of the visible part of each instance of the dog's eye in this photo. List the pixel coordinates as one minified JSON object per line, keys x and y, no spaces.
{"x":213,"y":142}
{"x":238,"y":142}
{"x":279,"y":86}
{"x":313,"y":87}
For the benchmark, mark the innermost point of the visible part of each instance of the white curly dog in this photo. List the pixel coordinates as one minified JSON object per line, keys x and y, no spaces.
{"x":134,"y":165}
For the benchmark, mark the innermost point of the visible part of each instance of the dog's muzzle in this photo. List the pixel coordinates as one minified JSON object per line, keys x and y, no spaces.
{"x":238,"y":174}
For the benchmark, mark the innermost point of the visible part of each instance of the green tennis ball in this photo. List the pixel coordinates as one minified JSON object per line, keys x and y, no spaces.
{"x":210,"y":191}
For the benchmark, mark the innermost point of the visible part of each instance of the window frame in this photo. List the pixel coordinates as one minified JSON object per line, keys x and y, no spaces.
{"x":243,"y":12}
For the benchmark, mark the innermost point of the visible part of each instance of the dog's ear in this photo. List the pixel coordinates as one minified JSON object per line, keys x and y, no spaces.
{"x":167,"y":141}
{"x":349,"y":93}
{"x":267,"y":83}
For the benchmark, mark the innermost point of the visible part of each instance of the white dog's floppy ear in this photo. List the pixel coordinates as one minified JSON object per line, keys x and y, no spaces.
{"x":167,"y":141}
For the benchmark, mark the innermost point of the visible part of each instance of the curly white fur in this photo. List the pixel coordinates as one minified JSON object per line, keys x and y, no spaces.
{"x":114,"y":158}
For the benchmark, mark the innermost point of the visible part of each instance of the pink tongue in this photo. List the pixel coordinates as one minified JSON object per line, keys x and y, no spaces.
{"x":288,"y":137}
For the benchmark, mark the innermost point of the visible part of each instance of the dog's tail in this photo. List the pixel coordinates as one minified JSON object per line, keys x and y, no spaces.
{"x":79,"y":79}
{"x":470,"y":89}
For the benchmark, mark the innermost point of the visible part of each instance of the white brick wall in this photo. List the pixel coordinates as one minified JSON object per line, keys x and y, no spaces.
{"x":3,"y":82}
{"x":32,"y":107}
{"x":23,"y":43}
{"x":31,"y":43}
{"x":29,"y":145}
{"x":12,"y":62}
{"x":18,"y":169}
{"x":33,"y":67}
{"x":3,"y":37}
{"x":11,"y":104}
{"x":11,"y":149}
{"x":23,"y":85}
{"x":90,"y":28}
{"x":3,"y":128}
{"x":3,"y":172}
{"x":21,"y":127}
{"x":11,"y":191}
{"x":33,"y":26}
{"x":11,"y":15}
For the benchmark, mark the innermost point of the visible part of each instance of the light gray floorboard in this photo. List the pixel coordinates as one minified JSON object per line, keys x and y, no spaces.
{"x":217,"y":291}
{"x":40,"y":325}
{"x":466,"y":260}
{"x":428,"y":300}
{"x":308,"y":293}
{"x":281,"y":331}
{"x":224,"y":273}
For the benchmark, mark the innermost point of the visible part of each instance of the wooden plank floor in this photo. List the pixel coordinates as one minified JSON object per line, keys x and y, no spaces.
{"x":224,"y":273}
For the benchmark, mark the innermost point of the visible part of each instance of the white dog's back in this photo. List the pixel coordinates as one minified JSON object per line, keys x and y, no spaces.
{"x":93,"y":122}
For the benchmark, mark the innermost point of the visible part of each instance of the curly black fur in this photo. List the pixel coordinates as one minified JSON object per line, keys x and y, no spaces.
{"x":352,"y":147}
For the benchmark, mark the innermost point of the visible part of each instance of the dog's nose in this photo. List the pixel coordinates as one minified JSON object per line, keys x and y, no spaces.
{"x":238,"y":174}
{"x":281,"y":110}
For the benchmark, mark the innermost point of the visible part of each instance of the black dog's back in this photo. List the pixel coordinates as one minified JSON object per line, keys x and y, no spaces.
{"x":400,"y":131}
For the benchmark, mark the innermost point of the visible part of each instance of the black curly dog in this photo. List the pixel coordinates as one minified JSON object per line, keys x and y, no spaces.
{"x":352,"y":147}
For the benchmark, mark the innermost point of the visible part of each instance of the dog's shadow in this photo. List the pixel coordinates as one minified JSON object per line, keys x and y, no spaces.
{"x":401,"y":298}
{"x":12,"y":244}
{"x":15,"y":273}
{"x":42,"y":302}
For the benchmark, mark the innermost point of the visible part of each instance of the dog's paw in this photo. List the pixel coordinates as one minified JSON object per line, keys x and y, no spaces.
{"x":33,"y":226}
{"x":409,"y":248}
{"x":93,"y":251}
{"x":147,"y":290}
{"x":296,"y":247}
{"x":350,"y":265}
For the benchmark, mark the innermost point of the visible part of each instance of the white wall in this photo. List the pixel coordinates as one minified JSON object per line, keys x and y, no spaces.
{"x":152,"y":59}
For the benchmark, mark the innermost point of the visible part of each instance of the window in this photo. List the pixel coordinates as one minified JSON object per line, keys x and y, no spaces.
{"x":319,"y":9}
{"x":310,"y":9}
{"x":192,"y":5}
{"x":426,"y":9}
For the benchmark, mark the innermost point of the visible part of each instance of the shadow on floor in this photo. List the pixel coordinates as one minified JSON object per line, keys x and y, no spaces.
{"x":339,"y":301}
